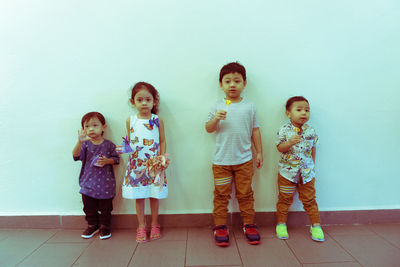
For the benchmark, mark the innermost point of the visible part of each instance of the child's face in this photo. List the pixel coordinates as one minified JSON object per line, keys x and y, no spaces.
{"x":233,"y":85}
{"x":299,"y":113}
{"x":93,"y":128}
{"x":143,"y":102}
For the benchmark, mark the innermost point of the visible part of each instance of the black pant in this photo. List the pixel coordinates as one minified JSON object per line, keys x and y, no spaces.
{"x":98,"y":211}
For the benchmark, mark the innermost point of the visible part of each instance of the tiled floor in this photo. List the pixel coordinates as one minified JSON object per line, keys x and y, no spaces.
{"x":358,"y":245}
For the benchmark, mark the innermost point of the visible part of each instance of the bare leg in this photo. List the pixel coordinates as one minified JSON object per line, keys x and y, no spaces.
{"x":140,"y":212}
{"x":154,"y":204}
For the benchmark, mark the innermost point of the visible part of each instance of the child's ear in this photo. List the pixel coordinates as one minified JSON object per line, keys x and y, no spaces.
{"x":220,"y":84}
{"x":287,"y":114}
{"x":132,"y":101}
{"x":104,"y":127}
{"x":244,"y":83}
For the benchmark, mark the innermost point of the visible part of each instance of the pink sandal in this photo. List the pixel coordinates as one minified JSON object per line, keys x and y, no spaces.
{"x":155,"y":232}
{"x":141,"y":235}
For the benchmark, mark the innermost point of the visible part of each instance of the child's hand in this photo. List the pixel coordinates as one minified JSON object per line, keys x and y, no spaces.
{"x":82,"y":137}
{"x":103,"y":161}
{"x":118,"y":149}
{"x":259,"y":160}
{"x":220,"y":115}
{"x":295,"y":139}
{"x":167,"y":162}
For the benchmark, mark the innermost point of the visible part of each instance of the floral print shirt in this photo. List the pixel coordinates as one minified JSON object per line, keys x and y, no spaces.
{"x":298,"y":160}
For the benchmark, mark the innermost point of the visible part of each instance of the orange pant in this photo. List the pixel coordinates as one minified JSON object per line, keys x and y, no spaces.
{"x":242,"y":175}
{"x":306,"y":195}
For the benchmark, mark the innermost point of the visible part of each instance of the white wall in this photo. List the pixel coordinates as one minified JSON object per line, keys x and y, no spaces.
{"x":61,"y":59}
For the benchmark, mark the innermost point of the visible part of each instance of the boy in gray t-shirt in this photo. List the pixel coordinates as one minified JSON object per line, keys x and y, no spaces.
{"x":235,"y":122}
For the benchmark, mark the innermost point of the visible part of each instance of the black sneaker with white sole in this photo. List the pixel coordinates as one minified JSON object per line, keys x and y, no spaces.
{"x":90,"y":231}
{"x":105,"y":233}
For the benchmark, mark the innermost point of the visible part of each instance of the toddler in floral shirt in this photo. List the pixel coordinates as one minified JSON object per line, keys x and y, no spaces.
{"x":297,"y":142}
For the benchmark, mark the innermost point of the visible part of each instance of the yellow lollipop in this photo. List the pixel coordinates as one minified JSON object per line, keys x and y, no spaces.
{"x":297,"y":130}
{"x":227,"y":102}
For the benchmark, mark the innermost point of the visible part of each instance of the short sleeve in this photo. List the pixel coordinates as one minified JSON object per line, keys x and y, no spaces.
{"x":112,"y":153}
{"x":254,"y":116}
{"x":316,"y":141}
{"x":281,"y":137}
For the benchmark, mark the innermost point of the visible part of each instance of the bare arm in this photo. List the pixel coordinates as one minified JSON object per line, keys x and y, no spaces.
{"x":286,"y":146}
{"x":313,"y":152}
{"x":76,"y":152}
{"x":163,"y":143}
{"x":211,"y":125}
{"x":82,"y":137}
{"x":128,"y":126}
{"x":256,"y":137}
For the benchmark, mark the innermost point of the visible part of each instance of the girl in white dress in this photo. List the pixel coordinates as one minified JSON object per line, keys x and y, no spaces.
{"x":147,"y":140}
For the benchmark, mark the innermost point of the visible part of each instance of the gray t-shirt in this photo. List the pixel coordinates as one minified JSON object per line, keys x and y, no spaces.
{"x":233,"y":142}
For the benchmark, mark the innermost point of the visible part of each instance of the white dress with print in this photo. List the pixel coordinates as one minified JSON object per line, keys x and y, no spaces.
{"x":145,"y":143}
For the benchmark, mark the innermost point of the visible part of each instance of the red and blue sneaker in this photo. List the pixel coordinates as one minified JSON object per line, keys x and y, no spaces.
{"x":251,"y":233}
{"x":221,"y":235}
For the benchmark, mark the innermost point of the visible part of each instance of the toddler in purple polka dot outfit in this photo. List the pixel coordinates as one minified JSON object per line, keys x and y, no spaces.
{"x":96,"y":179}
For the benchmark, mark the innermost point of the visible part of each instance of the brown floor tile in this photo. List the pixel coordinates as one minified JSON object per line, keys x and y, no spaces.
{"x":370,"y":250}
{"x":174,"y":234}
{"x":345,"y":245}
{"x":21,"y":243}
{"x":201,"y":249}
{"x":390,"y":232}
{"x":116,"y":251}
{"x":271,"y":252}
{"x":70,"y":236}
{"x":309,"y":251}
{"x":356,"y":230}
{"x":55,"y":255}
{"x":340,"y":264}
{"x":4,"y":233}
{"x":160,"y":253}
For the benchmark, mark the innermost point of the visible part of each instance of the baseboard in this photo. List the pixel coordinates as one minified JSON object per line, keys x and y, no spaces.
{"x":127,"y":221}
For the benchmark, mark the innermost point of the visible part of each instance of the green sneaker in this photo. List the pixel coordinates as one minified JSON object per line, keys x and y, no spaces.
{"x":281,"y":231}
{"x":317,"y":234}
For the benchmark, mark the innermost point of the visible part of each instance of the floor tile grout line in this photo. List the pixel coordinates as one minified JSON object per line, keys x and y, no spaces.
{"x":186,"y":246}
{"x":83,"y":251}
{"x":382,"y":237}
{"x":340,"y":245}
{"x":133,"y":254}
{"x":27,"y":256}
{"x":237,"y":248}
{"x":291,"y":250}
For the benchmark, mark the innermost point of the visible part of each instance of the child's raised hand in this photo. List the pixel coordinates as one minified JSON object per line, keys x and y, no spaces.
{"x":295,"y":139}
{"x":220,"y":115}
{"x":82,"y":137}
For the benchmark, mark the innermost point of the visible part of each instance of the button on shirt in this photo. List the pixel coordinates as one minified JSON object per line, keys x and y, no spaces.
{"x":97,"y":182}
{"x":298,"y":160}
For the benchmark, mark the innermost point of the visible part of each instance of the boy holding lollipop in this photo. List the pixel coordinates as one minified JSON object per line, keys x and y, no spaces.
{"x":235,"y":122}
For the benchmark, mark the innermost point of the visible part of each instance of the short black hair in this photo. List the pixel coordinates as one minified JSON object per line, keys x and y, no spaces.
{"x":94,"y":114}
{"x":293,"y":99}
{"x":232,"y":68}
